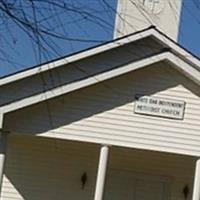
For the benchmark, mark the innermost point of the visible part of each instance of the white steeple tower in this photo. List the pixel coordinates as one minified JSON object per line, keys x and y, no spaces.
{"x":135,"y":15}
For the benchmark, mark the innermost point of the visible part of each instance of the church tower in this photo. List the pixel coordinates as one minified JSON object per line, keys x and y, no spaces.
{"x":135,"y":15}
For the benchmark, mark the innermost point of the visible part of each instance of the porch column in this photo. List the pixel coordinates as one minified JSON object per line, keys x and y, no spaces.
{"x":3,"y":138}
{"x":196,"y":187}
{"x":101,"y":174}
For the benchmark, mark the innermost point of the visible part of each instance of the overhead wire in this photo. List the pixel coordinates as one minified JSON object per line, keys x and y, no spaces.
{"x":118,"y":44}
{"x":109,"y":6}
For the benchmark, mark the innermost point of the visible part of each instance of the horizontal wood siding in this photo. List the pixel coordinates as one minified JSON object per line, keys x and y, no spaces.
{"x":104,"y":113}
{"x":40,"y":168}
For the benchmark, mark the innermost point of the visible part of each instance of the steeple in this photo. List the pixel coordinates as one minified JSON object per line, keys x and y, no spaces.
{"x":134,"y":15}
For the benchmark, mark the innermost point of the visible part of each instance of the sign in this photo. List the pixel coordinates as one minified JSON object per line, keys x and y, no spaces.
{"x":160,"y":107}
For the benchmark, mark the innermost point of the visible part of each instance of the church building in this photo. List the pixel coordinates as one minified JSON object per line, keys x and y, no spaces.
{"x":119,"y":121}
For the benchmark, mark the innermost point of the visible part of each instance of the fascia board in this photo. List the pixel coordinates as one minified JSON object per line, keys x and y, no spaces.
{"x":185,"y":68}
{"x":76,"y":57}
{"x":83,"y":83}
{"x":195,"y":62}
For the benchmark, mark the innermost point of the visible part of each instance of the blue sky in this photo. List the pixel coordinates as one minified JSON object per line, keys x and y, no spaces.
{"x":189,"y":32}
{"x":100,"y":27}
{"x":21,"y":51}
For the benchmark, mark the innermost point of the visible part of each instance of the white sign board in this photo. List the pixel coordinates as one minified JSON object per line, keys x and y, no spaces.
{"x":167,"y":108}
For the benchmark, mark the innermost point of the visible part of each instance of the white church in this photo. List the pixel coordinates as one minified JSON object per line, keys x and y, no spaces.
{"x":116,"y":122}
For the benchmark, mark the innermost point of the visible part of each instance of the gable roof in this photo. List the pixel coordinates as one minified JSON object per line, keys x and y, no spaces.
{"x":176,"y":55}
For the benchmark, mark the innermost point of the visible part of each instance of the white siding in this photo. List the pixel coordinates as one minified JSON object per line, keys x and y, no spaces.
{"x":103,"y":113}
{"x":39,"y":168}
{"x":43,"y":169}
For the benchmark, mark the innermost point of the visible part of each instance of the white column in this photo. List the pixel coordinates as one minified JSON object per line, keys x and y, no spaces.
{"x":196,"y":187}
{"x":101,"y":174}
{"x":3,"y":138}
